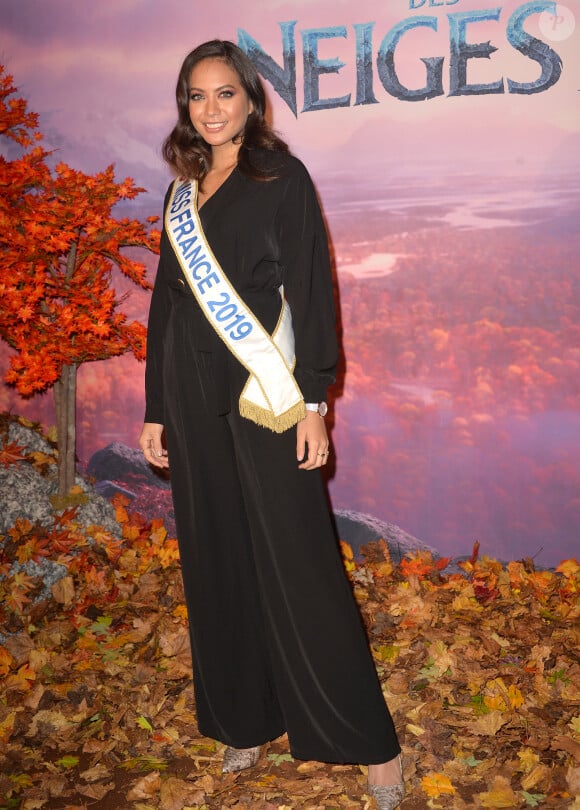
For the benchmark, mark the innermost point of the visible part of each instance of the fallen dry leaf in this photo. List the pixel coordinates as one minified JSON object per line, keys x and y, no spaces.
{"x":63,"y":591}
{"x":488,"y":724}
{"x":95,"y":773}
{"x":539,"y":777}
{"x":146,"y":787}
{"x":436,"y":785}
{"x":478,"y":669}
{"x":95,"y":791}
{"x":500,"y":795}
{"x":564,"y":743}
{"x":176,"y":793}
{"x":175,"y":643}
{"x":573,"y":780}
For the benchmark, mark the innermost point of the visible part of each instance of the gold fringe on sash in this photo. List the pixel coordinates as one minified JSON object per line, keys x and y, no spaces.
{"x":277,"y":424}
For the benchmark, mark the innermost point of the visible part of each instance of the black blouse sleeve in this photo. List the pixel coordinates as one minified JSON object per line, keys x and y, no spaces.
{"x":158,"y":316}
{"x":307,"y":279}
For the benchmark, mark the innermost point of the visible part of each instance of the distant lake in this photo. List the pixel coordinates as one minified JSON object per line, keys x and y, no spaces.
{"x":373,"y":265}
{"x":465,"y":201}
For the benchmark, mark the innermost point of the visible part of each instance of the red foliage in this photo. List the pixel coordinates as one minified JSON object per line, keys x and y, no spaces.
{"x":59,"y":244}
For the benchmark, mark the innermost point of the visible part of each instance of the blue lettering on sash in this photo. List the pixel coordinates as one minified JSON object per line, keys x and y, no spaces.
{"x":192,"y":257}
{"x":208,"y":281}
{"x":202,"y":264}
{"x":186,"y":244}
{"x":183,"y":229}
{"x":227,"y":318}
{"x":178,"y":204}
{"x":181,"y":199}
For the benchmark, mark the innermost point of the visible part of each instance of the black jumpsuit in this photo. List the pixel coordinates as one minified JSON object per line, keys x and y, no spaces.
{"x":277,"y":641}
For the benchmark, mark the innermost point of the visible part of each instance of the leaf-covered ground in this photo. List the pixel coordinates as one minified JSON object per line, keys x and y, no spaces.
{"x":480,"y":669}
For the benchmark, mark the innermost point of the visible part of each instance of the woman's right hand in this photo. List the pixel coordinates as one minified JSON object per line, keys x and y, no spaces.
{"x":150,"y":443}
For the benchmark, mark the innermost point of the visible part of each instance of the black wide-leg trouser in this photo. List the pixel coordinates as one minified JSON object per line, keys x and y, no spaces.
{"x":277,"y":641}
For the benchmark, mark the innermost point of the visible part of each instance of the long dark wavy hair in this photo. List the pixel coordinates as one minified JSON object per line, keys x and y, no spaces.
{"x":187,"y":152}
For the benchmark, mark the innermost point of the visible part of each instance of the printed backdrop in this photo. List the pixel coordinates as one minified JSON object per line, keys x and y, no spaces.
{"x":443,"y":137}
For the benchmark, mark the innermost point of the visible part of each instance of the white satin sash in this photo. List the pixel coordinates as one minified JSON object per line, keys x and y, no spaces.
{"x":271,"y":396}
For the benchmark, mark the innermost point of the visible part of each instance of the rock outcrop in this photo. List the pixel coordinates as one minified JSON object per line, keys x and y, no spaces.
{"x":358,"y":529}
{"x":119,"y":463}
{"x":25,"y":492}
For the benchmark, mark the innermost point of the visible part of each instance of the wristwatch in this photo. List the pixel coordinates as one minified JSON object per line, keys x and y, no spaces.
{"x":320,"y":407}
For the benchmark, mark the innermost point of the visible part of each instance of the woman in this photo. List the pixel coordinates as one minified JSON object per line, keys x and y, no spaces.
{"x":276,"y":638}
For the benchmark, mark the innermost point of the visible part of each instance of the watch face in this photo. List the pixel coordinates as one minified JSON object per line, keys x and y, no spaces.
{"x":323,"y":408}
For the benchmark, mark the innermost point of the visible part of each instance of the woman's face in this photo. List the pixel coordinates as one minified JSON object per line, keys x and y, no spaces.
{"x":218,"y":104}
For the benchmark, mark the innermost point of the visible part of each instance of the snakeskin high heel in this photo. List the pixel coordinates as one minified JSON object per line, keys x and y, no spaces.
{"x":238,"y":759}
{"x":388,"y":797}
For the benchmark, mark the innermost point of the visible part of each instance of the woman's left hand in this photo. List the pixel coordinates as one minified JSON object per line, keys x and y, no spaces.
{"x":311,"y":431}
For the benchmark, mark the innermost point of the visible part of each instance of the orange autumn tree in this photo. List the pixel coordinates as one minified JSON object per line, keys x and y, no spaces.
{"x":59,"y":247}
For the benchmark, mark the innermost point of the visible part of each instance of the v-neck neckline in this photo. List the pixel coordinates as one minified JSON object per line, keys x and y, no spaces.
{"x":217,"y":191}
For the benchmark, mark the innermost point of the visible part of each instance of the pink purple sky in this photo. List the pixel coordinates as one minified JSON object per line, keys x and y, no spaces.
{"x":102,"y":77}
